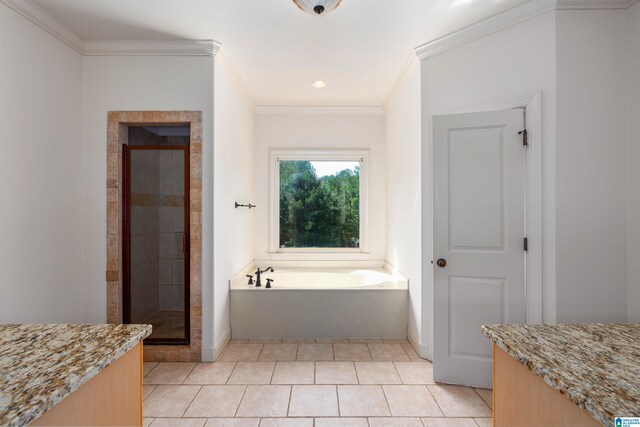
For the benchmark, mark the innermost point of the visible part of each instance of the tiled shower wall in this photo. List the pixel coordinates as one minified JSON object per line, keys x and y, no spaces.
{"x":145,"y":239}
{"x":171,"y":198}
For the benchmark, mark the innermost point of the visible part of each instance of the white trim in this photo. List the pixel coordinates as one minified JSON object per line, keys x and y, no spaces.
{"x":407,"y":70}
{"x":39,"y":17}
{"x":151,"y":48}
{"x":319,"y":263}
{"x":212,"y":354}
{"x":320,"y":110}
{"x":490,"y":25}
{"x":533,"y":104}
{"x":594,"y":4}
{"x":235,"y":76}
{"x":421,"y":349}
{"x":274,"y":203}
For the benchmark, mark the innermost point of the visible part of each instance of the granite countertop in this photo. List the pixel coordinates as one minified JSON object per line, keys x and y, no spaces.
{"x":596,"y":365}
{"x":42,"y":364}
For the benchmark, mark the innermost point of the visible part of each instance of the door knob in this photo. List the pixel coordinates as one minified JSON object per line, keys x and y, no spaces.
{"x":441,"y":262}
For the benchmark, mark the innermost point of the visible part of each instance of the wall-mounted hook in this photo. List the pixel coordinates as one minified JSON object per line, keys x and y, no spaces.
{"x":239,"y":205}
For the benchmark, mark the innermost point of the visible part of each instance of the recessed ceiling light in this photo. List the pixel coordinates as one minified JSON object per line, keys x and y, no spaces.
{"x":319,"y":84}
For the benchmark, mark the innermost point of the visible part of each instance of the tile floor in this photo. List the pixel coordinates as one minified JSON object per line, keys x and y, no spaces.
{"x":280,"y":383}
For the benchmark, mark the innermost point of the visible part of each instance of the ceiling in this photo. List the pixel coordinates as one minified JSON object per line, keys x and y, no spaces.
{"x":359,"y":49}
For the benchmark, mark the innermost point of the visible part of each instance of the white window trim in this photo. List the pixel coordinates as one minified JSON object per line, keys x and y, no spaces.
{"x":361,"y":156}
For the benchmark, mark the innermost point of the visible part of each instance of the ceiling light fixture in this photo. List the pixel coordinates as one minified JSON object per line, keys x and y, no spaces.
{"x":317,"y":7}
{"x":319,"y":84}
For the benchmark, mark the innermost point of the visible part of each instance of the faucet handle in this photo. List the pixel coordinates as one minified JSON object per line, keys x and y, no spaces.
{"x":250,"y":279}
{"x":268,"y":286}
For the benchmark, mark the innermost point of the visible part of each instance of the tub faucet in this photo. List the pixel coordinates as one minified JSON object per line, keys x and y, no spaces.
{"x":259,"y":272}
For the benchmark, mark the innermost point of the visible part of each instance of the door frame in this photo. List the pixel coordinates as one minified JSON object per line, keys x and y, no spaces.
{"x":532,"y":105}
{"x":126,"y":241}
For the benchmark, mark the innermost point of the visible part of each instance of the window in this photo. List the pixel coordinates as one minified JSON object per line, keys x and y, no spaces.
{"x":318,"y":201}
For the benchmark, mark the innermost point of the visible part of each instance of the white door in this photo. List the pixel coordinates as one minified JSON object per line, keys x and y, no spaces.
{"x":479,"y":229}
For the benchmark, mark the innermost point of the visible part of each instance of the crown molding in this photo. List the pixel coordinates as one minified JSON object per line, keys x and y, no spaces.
{"x":39,"y":17}
{"x":594,"y":4}
{"x":320,"y":110}
{"x":151,"y":48}
{"x":234,"y":75}
{"x":407,"y":70}
{"x":490,"y":25}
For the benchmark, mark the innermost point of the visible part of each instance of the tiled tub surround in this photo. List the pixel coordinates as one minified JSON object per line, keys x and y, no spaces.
{"x":42,"y":364}
{"x":596,"y":365}
{"x":322,"y":383}
{"x":117,"y":135}
{"x":331,"y":303}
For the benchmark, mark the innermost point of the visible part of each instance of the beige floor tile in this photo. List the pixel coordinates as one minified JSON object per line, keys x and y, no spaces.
{"x":232,"y":422}
{"x":458,"y":401}
{"x":313,"y":401}
{"x":365,"y":340}
{"x":484,"y":422}
{"x":353,"y":352}
{"x":252,"y":373}
{"x":239,"y":341}
{"x":169,"y":400}
{"x":395,"y":341}
{"x":395,"y":422}
{"x":147,"y":389}
{"x":362,"y":401}
{"x":312,"y":352}
{"x":265,"y":401}
{"x":411,"y":401}
{"x":449,"y":422}
{"x":391,"y":352}
{"x":169,"y":373}
{"x":411,"y":352}
{"x":293,"y":373}
{"x":280,"y":352}
{"x":146,"y":422}
{"x":148,"y":366}
{"x":332,"y":341}
{"x":335,"y":373}
{"x":178,"y":422}
{"x":300,"y":341}
{"x":377,"y":373}
{"x":215,"y":401}
{"x":286,"y":422}
{"x":210,"y":373}
{"x":486,"y":395}
{"x":266,"y":341}
{"x":415,"y":372}
{"x":241,"y":353}
{"x":341,"y":422}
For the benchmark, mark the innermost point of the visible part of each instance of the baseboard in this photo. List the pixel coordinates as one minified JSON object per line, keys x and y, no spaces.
{"x":421,"y":349}
{"x":210,"y":354}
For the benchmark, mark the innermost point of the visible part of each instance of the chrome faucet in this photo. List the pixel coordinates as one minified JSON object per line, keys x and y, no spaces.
{"x":259,"y":272}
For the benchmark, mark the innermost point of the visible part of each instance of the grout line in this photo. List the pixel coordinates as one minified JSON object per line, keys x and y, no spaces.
{"x":289,"y":402}
{"x":273,"y":371}
{"x":398,"y":372}
{"x":386,"y":399}
{"x":189,"y":373}
{"x":191,"y":401}
{"x":260,"y":352}
{"x":435,"y":400}
{"x":355,"y":368}
{"x":315,"y":374}
{"x":226,"y":381}
{"x":484,"y":401}
{"x":244,"y":391}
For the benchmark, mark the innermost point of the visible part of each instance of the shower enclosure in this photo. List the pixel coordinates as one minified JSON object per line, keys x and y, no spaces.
{"x":156,"y":231}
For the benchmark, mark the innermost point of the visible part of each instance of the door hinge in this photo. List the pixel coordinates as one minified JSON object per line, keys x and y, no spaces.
{"x":525,"y":139}
{"x":526,"y":244}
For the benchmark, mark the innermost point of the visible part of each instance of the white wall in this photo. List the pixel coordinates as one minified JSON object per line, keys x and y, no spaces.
{"x":233,"y":182}
{"x":633,"y":160}
{"x":591,"y":267}
{"x":321,"y":131}
{"x":139,"y":83}
{"x":515,"y":61}
{"x":403,"y":146}
{"x":40,"y":175}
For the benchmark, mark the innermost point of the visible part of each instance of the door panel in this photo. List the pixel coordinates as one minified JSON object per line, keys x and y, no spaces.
{"x":479,"y":227}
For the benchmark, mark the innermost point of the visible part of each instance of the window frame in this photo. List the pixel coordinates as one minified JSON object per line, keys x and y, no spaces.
{"x":361,"y":156}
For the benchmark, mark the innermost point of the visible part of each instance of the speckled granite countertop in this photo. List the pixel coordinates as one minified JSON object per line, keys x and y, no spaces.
{"x":596,"y":365}
{"x":42,"y":364}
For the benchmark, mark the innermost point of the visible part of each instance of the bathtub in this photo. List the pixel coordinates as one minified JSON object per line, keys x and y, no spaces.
{"x":325,"y":303}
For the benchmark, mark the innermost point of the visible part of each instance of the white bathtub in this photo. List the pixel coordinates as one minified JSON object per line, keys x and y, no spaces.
{"x":329,"y":303}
